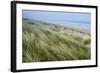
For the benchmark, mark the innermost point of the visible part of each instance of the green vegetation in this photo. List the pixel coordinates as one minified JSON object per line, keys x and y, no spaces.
{"x":42,"y":43}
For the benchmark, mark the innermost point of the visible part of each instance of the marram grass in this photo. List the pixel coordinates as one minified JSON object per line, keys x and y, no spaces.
{"x":41,"y":44}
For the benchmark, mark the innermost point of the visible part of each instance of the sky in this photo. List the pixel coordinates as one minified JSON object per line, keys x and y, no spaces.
{"x":60,"y":17}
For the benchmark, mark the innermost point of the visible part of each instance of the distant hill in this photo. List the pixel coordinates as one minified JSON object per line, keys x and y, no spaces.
{"x":74,"y":28}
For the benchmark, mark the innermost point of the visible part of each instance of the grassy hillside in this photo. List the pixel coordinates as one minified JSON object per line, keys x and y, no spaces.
{"x":43,"y":42}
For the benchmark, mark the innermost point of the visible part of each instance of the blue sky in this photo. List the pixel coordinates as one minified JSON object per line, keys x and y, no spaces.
{"x":61,"y":17}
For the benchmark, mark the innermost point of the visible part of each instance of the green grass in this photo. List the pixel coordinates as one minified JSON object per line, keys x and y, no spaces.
{"x":42,"y":44}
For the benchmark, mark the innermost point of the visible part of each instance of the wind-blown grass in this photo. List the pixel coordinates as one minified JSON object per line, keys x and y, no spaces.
{"x":42,"y":44}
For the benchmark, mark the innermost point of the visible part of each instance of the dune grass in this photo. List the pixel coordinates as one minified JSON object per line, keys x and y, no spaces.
{"x":42,"y":44}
